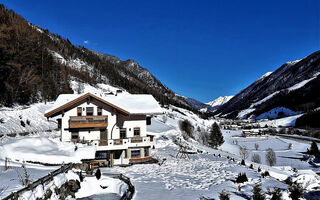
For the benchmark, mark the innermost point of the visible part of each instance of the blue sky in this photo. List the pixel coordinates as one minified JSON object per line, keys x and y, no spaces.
{"x":199,"y":49}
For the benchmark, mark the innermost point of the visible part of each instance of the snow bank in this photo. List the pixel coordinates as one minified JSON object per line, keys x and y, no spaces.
{"x":91,"y":186}
{"x":45,"y":150}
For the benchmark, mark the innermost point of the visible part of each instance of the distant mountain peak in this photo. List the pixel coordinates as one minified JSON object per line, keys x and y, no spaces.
{"x":219,"y":101}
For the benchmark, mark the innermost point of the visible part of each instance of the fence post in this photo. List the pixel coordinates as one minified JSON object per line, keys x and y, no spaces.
{"x":15,"y":196}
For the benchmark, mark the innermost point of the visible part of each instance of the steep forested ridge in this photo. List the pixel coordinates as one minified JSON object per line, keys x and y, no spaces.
{"x":29,"y":71}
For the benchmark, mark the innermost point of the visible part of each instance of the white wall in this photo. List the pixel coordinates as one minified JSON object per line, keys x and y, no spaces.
{"x":114,"y":124}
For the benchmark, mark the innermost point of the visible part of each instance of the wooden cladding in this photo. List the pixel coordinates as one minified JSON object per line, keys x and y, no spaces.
{"x":88,"y":122}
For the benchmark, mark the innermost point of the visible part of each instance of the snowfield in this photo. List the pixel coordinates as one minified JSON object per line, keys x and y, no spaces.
{"x":44,"y":150}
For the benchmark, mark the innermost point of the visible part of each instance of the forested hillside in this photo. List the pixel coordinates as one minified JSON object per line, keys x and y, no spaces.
{"x":37,"y":65}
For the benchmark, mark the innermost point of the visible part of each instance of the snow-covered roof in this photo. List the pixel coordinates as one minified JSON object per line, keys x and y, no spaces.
{"x":129,"y":103}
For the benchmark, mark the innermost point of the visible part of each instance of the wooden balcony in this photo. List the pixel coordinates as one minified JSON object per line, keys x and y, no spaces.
{"x":103,"y":142}
{"x":136,"y":139}
{"x":117,"y":141}
{"x":88,"y":122}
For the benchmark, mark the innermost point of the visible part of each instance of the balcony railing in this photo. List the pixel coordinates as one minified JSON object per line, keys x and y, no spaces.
{"x":125,"y":141}
{"x":136,"y":139}
{"x":88,"y":121}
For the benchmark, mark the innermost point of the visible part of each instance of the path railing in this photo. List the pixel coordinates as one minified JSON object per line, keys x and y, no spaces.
{"x":42,"y":181}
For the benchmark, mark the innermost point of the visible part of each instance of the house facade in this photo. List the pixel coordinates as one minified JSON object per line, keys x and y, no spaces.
{"x":115,"y":124}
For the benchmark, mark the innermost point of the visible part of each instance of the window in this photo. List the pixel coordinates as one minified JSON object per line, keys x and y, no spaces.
{"x":103,"y":134}
{"x":123,"y":133}
{"x":101,"y":154}
{"x":89,"y":111}
{"x":74,"y":135}
{"x":79,"y":111}
{"x":99,"y":111}
{"x":136,"y":132}
{"x":148,"y":120}
{"x":135,"y":154}
{"x":146,"y":152}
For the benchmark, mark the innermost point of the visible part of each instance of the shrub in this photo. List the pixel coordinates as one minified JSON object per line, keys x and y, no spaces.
{"x":276,"y":194}
{"x":296,"y":191}
{"x":259,"y":169}
{"x":98,"y":174}
{"x":271,"y":157}
{"x":22,"y":123}
{"x":243,"y":162}
{"x":24,"y":178}
{"x":251,"y":166}
{"x":265,"y":174}
{"x":224,"y":195}
{"x":28,"y":122}
{"x":242,"y":177}
{"x":258,"y":193}
{"x":256,"y":158}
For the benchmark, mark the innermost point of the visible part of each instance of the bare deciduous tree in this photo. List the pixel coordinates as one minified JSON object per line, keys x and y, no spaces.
{"x":271,"y":157}
{"x":244,"y":153}
{"x":24,"y":178}
{"x":164,"y":118}
{"x":256,"y":158}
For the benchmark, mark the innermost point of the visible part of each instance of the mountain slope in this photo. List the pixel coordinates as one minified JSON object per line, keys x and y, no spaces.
{"x":294,"y":85}
{"x":37,"y":65}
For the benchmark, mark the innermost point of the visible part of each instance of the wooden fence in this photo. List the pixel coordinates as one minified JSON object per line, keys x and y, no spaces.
{"x":42,"y":181}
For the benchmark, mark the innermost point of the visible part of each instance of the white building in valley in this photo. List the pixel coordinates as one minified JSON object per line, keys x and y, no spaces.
{"x":115,"y":124}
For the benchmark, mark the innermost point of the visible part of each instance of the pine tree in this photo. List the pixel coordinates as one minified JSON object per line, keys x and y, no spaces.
{"x":296,"y":191}
{"x":276,"y":194}
{"x":314,"y":150}
{"x":215,"y":137}
{"x":257,"y":193}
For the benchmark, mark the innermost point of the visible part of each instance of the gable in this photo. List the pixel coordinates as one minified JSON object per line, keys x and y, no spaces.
{"x":80,"y":100}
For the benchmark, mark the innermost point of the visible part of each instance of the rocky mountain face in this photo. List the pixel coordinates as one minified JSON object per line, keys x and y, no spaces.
{"x":37,"y":65}
{"x":294,"y":85}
